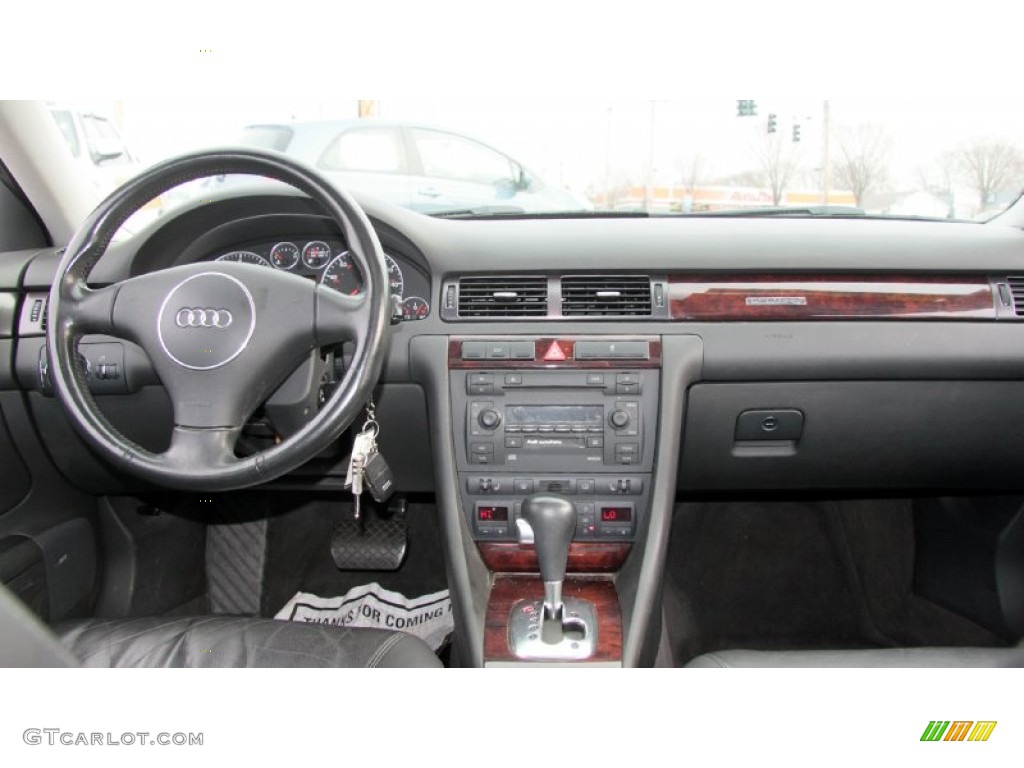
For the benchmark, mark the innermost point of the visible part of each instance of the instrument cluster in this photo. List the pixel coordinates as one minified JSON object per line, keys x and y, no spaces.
{"x":328,"y":262}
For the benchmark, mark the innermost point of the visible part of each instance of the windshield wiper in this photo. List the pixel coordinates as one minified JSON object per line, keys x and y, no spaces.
{"x":781,"y":210}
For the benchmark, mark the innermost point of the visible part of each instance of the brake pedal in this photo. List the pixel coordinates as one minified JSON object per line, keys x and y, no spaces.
{"x":371,"y":543}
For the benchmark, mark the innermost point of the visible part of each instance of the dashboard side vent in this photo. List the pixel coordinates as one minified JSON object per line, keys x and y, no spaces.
{"x":503,"y":296}
{"x":1017,"y":294}
{"x":611,"y":295}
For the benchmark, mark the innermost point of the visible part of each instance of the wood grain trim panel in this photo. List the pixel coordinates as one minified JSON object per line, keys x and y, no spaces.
{"x":540,"y":347}
{"x":840,"y":297}
{"x":584,"y":557}
{"x":506,"y":590}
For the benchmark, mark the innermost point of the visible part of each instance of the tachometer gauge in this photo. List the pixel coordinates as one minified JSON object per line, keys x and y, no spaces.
{"x":284,"y":255}
{"x":246,"y":257}
{"x":415,"y":308}
{"x":316,"y":254}
{"x":343,"y":275}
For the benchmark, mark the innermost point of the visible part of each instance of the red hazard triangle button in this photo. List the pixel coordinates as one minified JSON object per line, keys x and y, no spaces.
{"x":555,"y":352}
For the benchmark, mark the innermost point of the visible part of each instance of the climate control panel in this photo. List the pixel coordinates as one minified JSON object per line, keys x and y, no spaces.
{"x":574,"y":417}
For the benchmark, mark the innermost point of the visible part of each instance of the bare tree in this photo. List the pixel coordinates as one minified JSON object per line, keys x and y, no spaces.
{"x":692,"y":171}
{"x":863,"y":161}
{"x":779,"y":159}
{"x":990,"y":166}
{"x":937,"y":177}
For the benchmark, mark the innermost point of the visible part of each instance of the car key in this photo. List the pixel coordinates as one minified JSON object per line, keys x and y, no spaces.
{"x":377,"y":477}
{"x":361,"y":446}
{"x":357,"y":481}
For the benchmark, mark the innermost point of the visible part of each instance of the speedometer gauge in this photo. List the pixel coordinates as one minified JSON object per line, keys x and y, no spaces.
{"x":342,"y":275}
{"x":245,"y":257}
{"x":316,"y":254}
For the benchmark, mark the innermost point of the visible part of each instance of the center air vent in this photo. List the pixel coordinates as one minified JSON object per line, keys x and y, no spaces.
{"x":1017,"y":292}
{"x":503,"y":297}
{"x":600,"y":296}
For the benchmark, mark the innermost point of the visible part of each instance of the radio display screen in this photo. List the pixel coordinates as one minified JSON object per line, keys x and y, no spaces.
{"x":590,"y":415}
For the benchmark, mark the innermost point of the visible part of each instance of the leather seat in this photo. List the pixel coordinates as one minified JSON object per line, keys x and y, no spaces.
{"x":221,"y":641}
{"x":882,"y":657}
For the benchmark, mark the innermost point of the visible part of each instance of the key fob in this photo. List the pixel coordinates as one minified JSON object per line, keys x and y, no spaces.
{"x":377,"y":478}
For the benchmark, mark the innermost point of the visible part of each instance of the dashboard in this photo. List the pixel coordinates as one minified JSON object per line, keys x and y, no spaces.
{"x":621,"y":362}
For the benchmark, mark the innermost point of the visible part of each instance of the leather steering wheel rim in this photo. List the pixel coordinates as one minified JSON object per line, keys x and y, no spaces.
{"x":285,"y":316}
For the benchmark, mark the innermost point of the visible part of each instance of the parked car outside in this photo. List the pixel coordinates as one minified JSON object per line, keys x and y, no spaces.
{"x":427,"y":169}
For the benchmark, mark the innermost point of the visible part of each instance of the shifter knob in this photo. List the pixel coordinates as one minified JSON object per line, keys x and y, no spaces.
{"x":553,"y":520}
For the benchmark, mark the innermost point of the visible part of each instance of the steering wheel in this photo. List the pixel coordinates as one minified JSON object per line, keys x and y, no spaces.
{"x":222,"y":336}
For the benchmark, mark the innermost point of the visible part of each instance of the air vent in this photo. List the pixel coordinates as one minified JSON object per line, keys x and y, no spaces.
{"x":611,"y":296}
{"x":503,"y":297}
{"x":1017,"y":292}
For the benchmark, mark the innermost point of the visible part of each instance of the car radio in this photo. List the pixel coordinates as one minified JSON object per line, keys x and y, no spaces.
{"x":582,"y":428}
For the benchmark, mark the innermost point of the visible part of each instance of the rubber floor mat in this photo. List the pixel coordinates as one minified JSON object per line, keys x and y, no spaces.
{"x":236,"y":556}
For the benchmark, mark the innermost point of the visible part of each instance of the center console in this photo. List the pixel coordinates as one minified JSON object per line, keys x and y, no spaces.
{"x":569,"y":418}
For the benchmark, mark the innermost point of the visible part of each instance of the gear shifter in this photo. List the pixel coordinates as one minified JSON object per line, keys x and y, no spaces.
{"x":553,"y":520}
{"x":551,"y":629}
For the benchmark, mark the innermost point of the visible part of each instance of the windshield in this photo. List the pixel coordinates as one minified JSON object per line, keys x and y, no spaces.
{"x":664,"y":157}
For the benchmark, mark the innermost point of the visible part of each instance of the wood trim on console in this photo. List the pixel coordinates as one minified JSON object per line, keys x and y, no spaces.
{"x":810,"y":297}
{"x":506,"y":590}
{"x":541,"y":345}
{"x":584,"y":556}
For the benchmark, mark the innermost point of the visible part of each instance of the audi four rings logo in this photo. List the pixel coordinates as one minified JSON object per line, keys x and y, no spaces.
{"x":200,"y":317}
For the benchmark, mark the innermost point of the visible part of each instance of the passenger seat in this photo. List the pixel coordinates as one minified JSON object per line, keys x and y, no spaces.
{"x":875,"y":657}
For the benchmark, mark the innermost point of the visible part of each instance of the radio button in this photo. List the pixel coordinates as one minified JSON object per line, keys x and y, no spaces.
{"x":595,"y":442}
{"x":481,"y":378}
{"x":546,"y":428}
{"x":598,"y":430}
{"x":529,"y":428}
{"x":577,"y":428}
{"x":619,"y":419}
{"x":513,"y":442}
{"x":481,"y":447}
{"x":489,"y":418}
{"x":627,"y":378}
{"x":513,"y":379}
{"x":595,"y":379}
{"x":562,"y":428}
{"x":627,"y":389}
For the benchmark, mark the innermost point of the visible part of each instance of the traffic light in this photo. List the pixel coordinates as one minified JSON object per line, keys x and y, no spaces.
{"x":772,"y":123}
{"x":746,"y":108}
{"x":796,"y":133}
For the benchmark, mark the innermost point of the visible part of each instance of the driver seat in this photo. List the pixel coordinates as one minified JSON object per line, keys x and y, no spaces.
{"x":204,"y":641}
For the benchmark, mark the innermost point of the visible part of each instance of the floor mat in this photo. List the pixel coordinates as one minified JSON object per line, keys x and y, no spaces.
{"x":299,"y":555}
{"x":790,"y":575}
{"x":236,"y":548}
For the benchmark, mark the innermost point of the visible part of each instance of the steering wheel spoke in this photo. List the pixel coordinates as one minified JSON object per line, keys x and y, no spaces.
{"x":91,"y":310}
{"x":340,"y":317}
{"x":199,"y":450}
